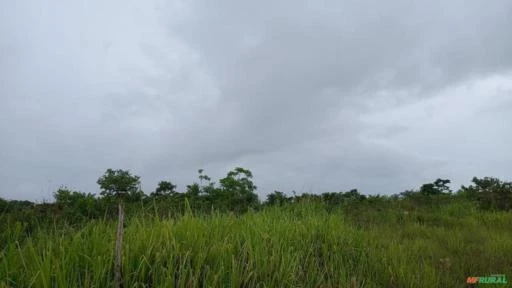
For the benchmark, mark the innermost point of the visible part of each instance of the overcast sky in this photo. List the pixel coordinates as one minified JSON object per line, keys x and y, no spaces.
{"x":311,"y":96}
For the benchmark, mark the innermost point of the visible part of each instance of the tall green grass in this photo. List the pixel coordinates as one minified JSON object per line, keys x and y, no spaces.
{"x":291,"y":246}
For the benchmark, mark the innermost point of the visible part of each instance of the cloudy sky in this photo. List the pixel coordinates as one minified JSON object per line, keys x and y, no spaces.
{"x":311,"y":96}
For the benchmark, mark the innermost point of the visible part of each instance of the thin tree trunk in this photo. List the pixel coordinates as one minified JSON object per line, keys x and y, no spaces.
{"x":119,"y":247}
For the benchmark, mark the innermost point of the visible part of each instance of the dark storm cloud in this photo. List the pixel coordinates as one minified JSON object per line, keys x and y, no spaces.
{"x":291,"y":71}
{"x":303,"y":63}
{"x":309,"y":95}
{"x":349,"y":42}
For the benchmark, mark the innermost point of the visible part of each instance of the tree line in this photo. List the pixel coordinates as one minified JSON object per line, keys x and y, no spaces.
{"x":235,"y":193}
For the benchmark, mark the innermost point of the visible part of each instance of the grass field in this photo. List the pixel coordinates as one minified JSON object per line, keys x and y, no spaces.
{"x":292,"y":246}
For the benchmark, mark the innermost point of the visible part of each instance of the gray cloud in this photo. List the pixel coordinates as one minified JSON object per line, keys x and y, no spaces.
{"x":308,"y":95}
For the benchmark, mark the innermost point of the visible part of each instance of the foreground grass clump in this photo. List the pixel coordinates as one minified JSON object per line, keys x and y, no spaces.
{"x":290,"y":246}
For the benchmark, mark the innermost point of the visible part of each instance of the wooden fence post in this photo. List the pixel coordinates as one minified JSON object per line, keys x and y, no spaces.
{"x":119,"y":247}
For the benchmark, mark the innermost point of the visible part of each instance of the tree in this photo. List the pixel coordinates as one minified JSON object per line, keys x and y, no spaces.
{"x":203,"y":177}
{"x":164,"y":188}
{"x":439,"y":187}
{"x":199,"y":189}
{"x":442,"y":186}
{"x":119,"y":184}
{"x":276,"y":198}
{"x":76,"y":205}
{"x":406,"y":194}
{"x":3,"y":205}
{"x":122,"y":185}
{"x":63,"y":196}
{"x":354,"y":195}
{"x":237,"y":190}
{"x":490,"y":193}
{"x":208,"y":187}
{"x":193,"y":190}
{"x":66,"y":197}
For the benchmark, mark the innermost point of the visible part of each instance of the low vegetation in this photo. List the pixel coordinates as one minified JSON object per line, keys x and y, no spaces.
{"x":222,"y":235}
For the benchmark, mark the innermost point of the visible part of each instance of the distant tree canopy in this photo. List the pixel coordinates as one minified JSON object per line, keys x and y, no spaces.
{"x":64,"y":196}
{"x":120,"y":184}
{"x":437,"y":188}
{"x":237,"y":189}
{"x":491,"y":193}
{"x":76,"y":205}
{"x":164,"y":188}
{"x":236,"y":192}
{"x":277,"y":198}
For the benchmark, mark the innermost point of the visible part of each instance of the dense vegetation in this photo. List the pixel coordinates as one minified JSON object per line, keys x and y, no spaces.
{"x":222,"y":235}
